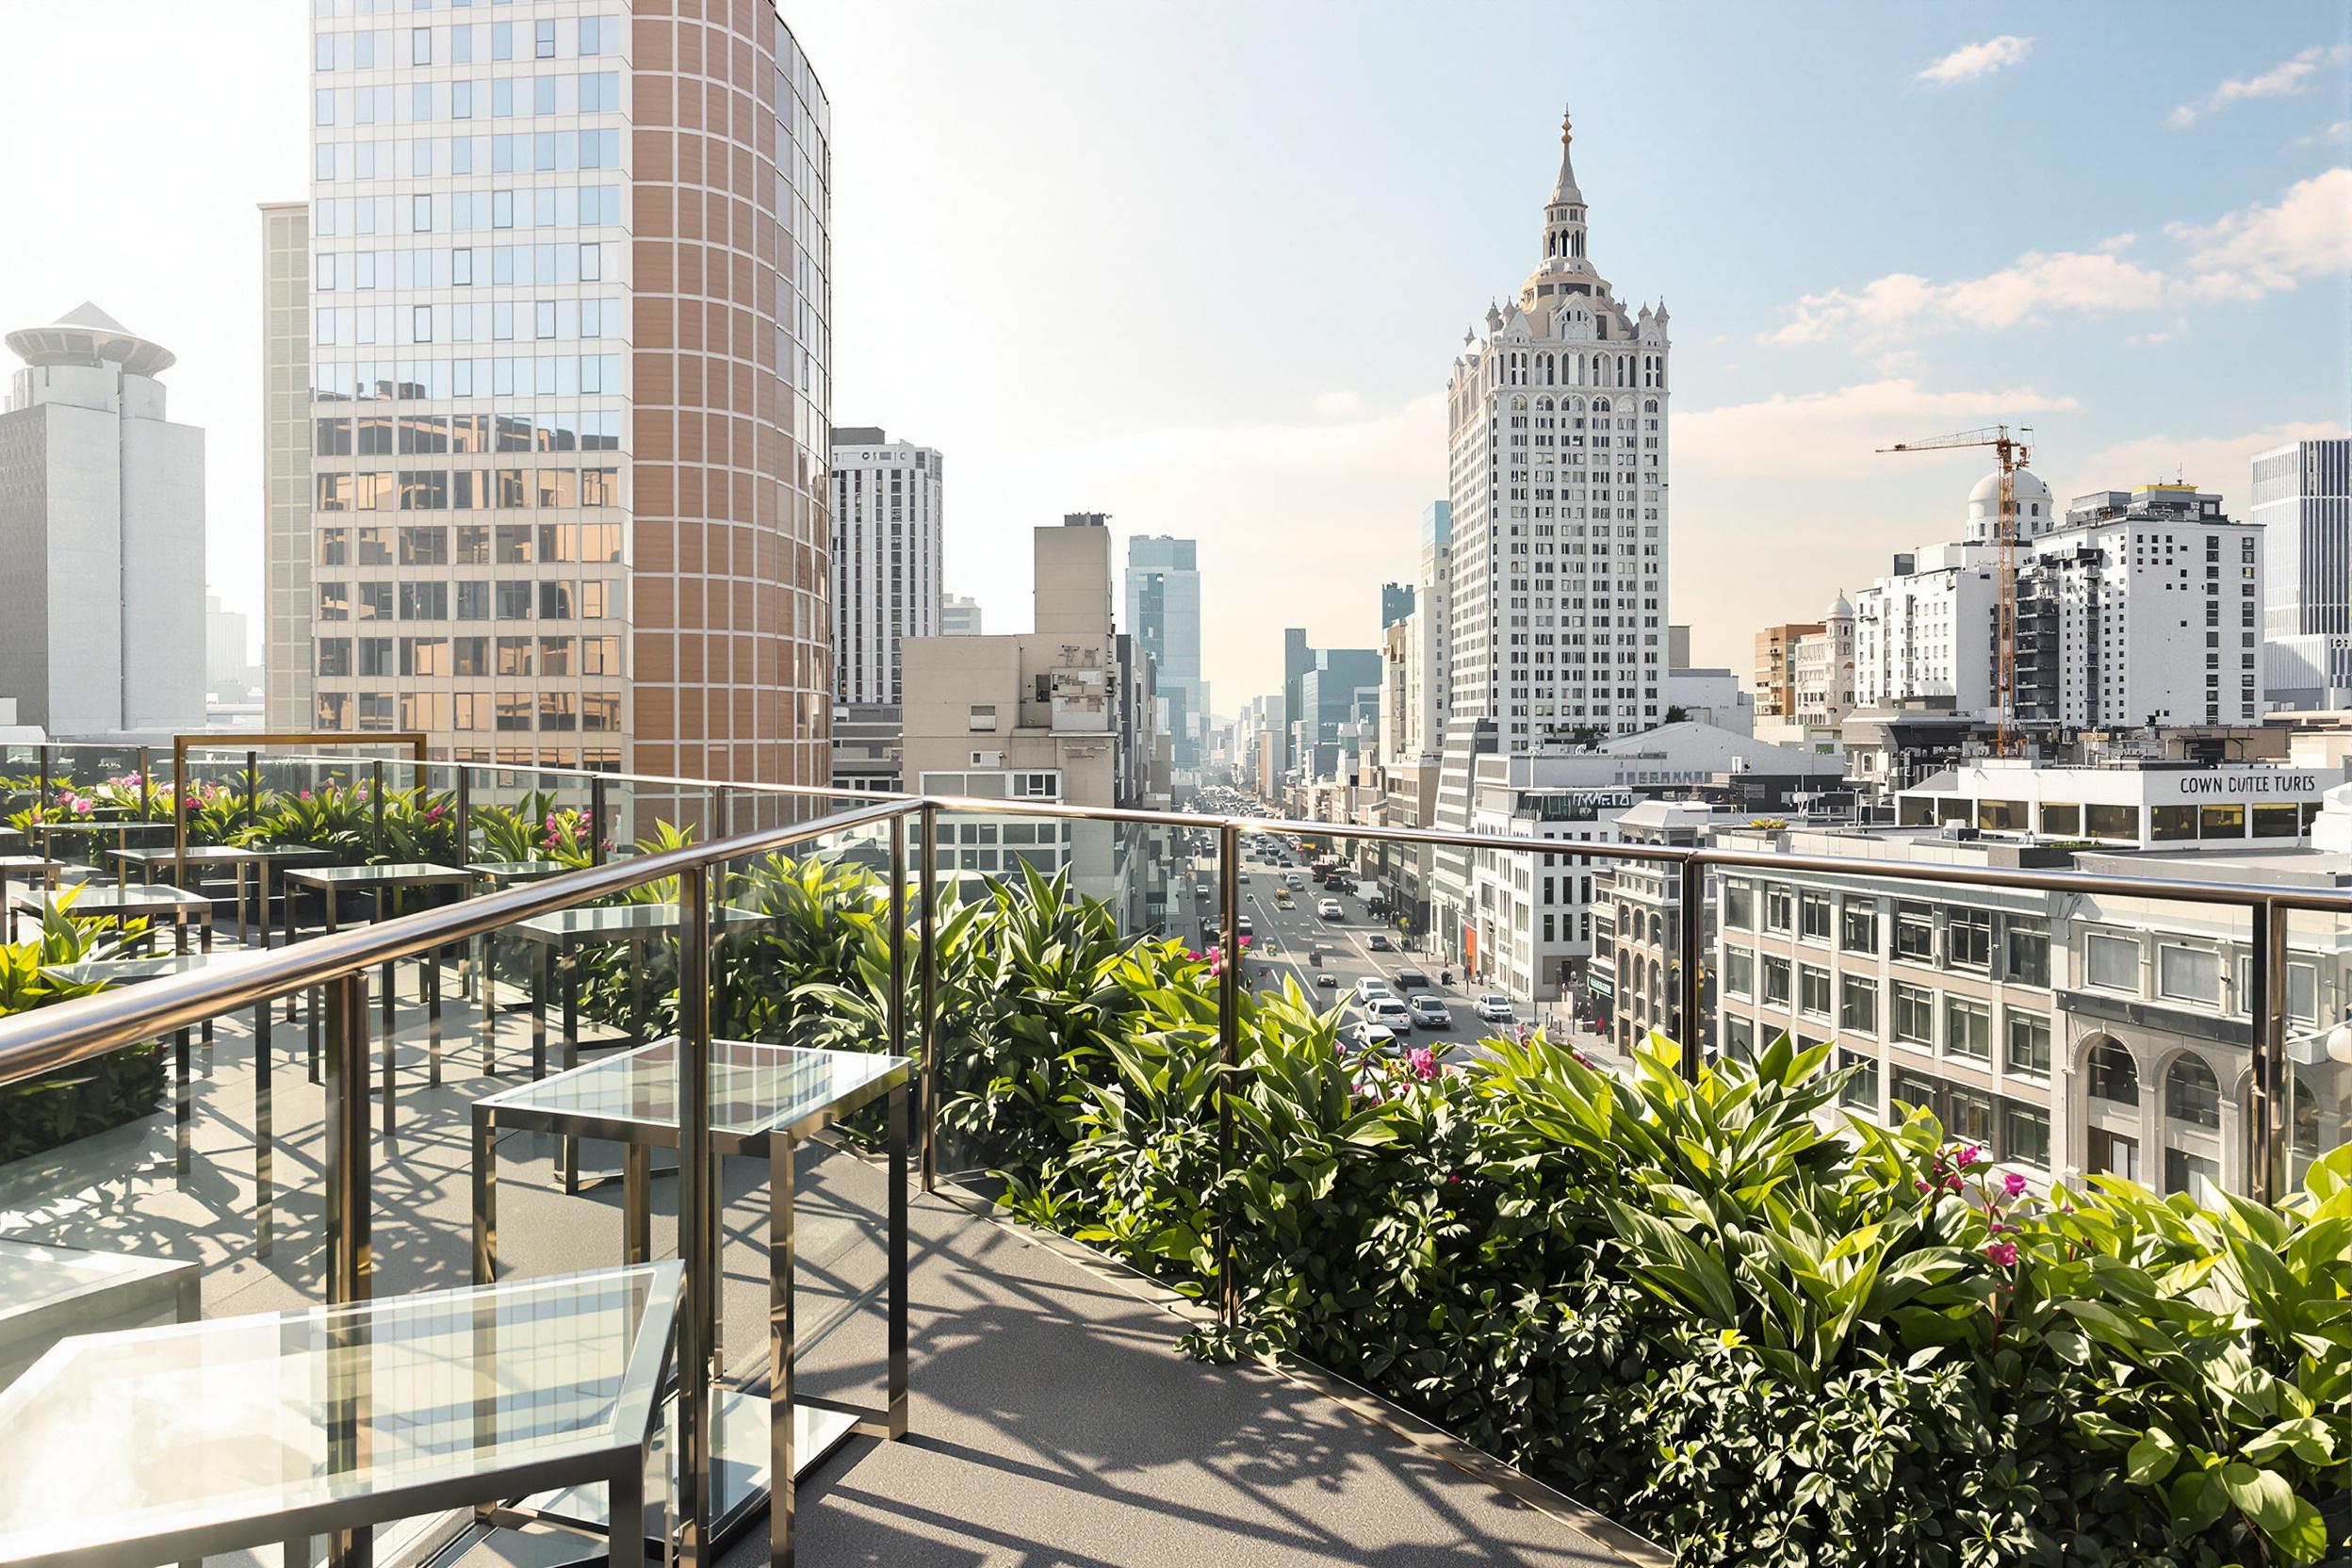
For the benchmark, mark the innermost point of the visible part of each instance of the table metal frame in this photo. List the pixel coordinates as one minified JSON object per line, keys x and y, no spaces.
{"x":777,"y":1143}
{"x":11,"y":864}
{"x":389,"y":880}
{"x":623,"y":1467}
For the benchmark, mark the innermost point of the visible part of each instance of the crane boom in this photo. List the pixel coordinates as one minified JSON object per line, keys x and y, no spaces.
{"x":2013,"y":452}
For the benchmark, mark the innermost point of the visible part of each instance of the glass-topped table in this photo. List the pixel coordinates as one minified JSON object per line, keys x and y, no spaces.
{"x":385,"y":883}
{"x":123,"y":902}
{"x":239,"y":859}
{"x":483,"y":982}
{"x":560,"y":935}
{"x":91,"y":833}
{"x":31,"y":870}
{"x":764,"y":1100}
{"x":48,"y":1293}
{"x":129,"y":972}
{"x":119,"y":1450}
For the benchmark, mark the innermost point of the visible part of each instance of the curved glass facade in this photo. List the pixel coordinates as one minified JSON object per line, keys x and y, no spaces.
{"x":568,"y":304}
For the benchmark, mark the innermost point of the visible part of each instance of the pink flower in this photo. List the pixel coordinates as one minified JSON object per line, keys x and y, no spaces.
{"x":2003,"y":1253}
{"x":1952,"y":1184}
{"x":1453,"y":1178}
{"x":2013,"y":1183}
{"x":1921,"y":1186}
{"x":1192,"y":955}
{"x":1970,"y":1155}
{"x":1423,"y":1061}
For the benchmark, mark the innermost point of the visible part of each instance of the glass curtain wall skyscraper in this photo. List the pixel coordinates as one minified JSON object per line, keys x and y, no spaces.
{"x":568,"y":382}
{"x":1162,"y":613}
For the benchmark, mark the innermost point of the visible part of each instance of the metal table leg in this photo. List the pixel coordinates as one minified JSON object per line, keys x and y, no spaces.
{"x":264,"y":1133}
{"x":636,"y":1204}
{"x":485,"y":992}
{"x":433,"y":1019}
{"x":542,"y":980}
{"x":486,"y":1197}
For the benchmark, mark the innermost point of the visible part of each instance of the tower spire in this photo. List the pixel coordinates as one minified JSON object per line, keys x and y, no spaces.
{"x":1565,"y":191}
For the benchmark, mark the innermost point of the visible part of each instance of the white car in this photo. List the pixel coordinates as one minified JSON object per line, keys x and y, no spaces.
{"x":1389,"y":1012}
{"x":1368,"y":988}
{"x":1328,"y":909}
{"x":1292,"y":880}
{"x":1371,"y":1036}
{"x":1496,"y":1008}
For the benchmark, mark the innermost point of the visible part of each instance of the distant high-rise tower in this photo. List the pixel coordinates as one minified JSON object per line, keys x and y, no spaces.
{"x":1163,"y":615}
{"x":102,"y":531}
{"x":2303,"y":498}
{"x":886,"y":513}
{"x":568,"y":309}
{"x":287,"y":550}
{"x":1559,"y":429}
{"x":959,"y":616}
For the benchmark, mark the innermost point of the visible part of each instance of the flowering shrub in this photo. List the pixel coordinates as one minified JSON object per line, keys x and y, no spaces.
{"x":1758,"y":1330}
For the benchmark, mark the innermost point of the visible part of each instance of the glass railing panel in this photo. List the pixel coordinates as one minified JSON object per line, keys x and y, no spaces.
{"x":2317,"y":1108}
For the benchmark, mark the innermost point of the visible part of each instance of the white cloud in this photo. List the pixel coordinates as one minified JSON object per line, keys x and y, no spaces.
{"x":2326,"y":135}
{"x":1970,"y":61}
{"x":2215,"y":462}
{"x":1836,"y":434}
{"x":2288,"y":79}
{"x":2262,"y":249}
{"x":1903,"y":305}
{"x":1339,"y":405}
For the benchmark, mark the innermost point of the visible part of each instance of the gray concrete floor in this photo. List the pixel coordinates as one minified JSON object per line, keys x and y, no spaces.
{"x":1053,"y":1420}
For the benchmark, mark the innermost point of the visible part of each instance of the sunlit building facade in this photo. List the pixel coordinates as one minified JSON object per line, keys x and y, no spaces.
{"x":569,"y":377}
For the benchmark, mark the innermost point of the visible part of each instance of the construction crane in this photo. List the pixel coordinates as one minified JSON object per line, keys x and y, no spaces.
{"x":2013,"y":452}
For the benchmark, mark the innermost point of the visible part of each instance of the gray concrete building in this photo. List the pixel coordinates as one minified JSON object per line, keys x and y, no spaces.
{"x":102,"y":526}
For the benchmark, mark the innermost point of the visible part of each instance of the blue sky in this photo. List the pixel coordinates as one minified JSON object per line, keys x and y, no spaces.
{"x":1205,"y":265}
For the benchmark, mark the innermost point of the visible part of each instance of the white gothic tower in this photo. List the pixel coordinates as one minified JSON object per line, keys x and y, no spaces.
{"x":1559,"y":423}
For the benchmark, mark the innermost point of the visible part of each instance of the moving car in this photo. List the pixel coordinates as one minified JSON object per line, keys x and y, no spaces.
{"x":1282,"y":899}
{"x":1326,"y":980}
{"x":1371,"y":1036}
{"x":1292,"y":880}
{"x":1328,"y":909}
{"x":1388,"y":1010}
{"x":1244,"y":927}
{"x":1380,"y":943}
{"x":1408,"y":979}
{"x":1369,"y":987}
{"x":1431,"y":1012}
{"x":1496,"y":1008}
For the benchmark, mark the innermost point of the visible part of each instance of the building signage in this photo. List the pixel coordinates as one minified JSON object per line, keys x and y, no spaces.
{"x":1577,"y":805}
{"x":2268,"y":782}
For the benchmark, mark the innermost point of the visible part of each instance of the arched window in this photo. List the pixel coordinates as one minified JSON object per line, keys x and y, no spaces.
{"x":2112,"y":1076}
{"x":2191,"y":1094}
{"x":1649,"y":405}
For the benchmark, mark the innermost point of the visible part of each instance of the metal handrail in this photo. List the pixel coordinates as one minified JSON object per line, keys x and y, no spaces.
{"x":36,"y":1042}
{"x":50,"y":1038}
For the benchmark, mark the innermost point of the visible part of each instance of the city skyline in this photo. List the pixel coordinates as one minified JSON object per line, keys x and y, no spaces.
{"x":2095,"y":230}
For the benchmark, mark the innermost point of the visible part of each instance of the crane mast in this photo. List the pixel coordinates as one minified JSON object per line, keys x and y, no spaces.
{"x":2013,"y":453}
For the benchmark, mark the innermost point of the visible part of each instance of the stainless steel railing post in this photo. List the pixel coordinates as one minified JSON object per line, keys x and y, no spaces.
{"x":595,"y":822}
{"x":1689,"y":942}
{"x":1229,"y":1053}
{"x":927,"y":1004}
{"x":351,"y":1253}
{"x":698,"y":1222}
{"x":897,"y":1010}
{"x":2266,"y":1017}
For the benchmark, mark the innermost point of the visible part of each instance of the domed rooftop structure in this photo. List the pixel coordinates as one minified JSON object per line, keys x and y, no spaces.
{"x":2033,"y":511}
{"x":1842,"y":610}
{"x":88,"y":335}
